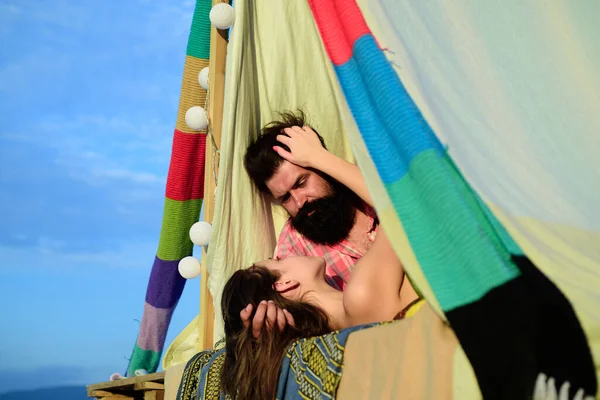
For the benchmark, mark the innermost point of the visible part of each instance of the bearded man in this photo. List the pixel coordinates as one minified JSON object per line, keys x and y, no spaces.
{"x":326,"y":219}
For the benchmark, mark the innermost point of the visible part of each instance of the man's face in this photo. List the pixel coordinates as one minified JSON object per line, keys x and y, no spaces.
{"x":293,"y":186}
{"x":323,"y":211}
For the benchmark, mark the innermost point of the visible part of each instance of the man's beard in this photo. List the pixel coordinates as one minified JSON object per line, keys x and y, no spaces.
{"x":330,"y":219}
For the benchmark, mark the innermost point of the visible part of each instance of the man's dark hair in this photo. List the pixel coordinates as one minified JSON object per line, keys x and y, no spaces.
{"x":261,"y":161}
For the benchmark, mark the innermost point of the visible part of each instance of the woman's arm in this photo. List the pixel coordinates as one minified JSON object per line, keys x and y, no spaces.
{"x":346,"y":173}
{"x":306,"y":151}
{"x":373,"y":291}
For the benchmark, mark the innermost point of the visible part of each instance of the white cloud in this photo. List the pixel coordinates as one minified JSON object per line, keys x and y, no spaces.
{"x":139,"y":177}
{"x":49,"y":254}
{"x":93,"y":89}
{"x":166,"y":24}
{"x":94,"y":134}
{"x":10,"y":9}
{"x":23,"y":70}
{"x":19,"y":236}
{"x":68,"y":15}
{"x":98,"y":150}
{"x":8,"y":12}
{"x":68,"y":41}
{"x":47,"y":246}
{"x":103,"y":171}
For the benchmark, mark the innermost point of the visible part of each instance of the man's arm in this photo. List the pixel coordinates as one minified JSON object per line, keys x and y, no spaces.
{"x":306,"y":151}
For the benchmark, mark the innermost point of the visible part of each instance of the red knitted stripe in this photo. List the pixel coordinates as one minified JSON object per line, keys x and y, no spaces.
{"x":353,"y":22}
{"x":340,"y":23}
{"x":186,"y":172}
{"x":332,"y":31}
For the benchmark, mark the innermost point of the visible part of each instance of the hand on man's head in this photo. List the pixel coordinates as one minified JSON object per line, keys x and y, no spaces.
{"x":305,"y":146}
{"x":266,"y":313}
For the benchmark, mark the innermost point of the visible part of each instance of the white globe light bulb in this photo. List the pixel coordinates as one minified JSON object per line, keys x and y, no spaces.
{"x":200,"y":233}
{"x":196,"y":118}
{"x":203,"y":78}
{"x":222,"y":16}
{"x":189,"y":267}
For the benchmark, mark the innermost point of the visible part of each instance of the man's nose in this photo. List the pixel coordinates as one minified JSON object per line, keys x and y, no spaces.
{"x":299,"y":199}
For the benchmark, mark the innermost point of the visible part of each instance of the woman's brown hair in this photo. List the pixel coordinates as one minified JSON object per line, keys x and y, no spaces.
{"x":251,"y":368}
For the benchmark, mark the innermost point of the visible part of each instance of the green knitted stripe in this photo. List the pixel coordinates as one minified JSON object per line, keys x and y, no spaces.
{"x":178,"y":218}
{"x":458,"y":250}
{"x":199,"y":40}
{"x":477,"y":207}
{"x":142,"y":357}
{"x":498,"y":229}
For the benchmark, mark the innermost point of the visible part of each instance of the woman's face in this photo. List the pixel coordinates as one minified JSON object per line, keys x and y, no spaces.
{"x":307,"y":271}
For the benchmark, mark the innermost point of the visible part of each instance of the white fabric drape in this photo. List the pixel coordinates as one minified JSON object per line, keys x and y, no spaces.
{"x":275,"y":63}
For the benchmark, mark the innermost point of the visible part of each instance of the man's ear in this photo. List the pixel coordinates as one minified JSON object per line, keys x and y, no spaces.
{"x":285,"y":285}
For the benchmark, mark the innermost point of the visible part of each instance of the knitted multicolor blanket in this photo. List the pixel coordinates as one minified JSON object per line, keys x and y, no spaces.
{"x":512,"y":322}
{"x":184,"y":194}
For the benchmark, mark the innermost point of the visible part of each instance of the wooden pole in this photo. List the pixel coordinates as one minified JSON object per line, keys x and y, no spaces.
{"x":216,"y":70}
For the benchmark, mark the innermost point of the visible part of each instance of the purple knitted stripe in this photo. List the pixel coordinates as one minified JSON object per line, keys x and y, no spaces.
{"x":153,"y":330}
{"x":166,"y":284}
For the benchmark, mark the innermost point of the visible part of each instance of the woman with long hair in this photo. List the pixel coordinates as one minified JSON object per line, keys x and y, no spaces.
{"x":376,"y":291}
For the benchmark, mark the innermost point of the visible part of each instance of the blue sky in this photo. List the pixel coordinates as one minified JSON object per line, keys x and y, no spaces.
{"x":88,"y":101}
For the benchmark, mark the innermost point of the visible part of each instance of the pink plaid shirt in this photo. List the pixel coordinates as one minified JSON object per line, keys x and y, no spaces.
{"x":340,"y":258}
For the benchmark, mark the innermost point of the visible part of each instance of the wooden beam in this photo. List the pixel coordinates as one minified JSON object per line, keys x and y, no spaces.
{"x":128,"y":384}
{"x":101,"y":394}
{"x":154,"y":395}
{"x":149,"y":386}
{"x":216,"y":70}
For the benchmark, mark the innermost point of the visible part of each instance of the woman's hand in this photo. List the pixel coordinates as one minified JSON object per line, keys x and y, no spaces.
{"x":267,"y":313}
{"x":306,"y":149}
